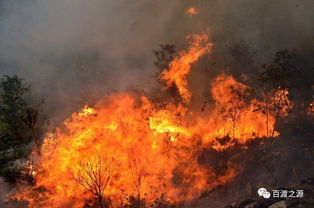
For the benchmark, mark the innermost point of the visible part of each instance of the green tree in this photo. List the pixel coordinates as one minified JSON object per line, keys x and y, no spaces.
{"x":18,"y":125}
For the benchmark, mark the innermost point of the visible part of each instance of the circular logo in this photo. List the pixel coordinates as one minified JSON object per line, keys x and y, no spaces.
{"x":266,"y":195}
{"x":261,"y":191}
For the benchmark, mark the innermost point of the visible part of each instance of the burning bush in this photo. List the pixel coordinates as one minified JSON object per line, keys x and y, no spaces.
{"x":156,"y":146}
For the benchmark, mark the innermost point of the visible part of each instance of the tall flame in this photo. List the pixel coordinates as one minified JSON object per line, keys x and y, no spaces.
{"x":152,"y":147}
{"x":180,"y":67}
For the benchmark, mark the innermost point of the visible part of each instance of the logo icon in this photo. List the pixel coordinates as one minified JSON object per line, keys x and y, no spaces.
{"x":264,"y":193}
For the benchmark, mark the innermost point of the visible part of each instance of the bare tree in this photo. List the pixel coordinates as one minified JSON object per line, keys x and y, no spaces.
{"x":94,"y":177}
{"x":234,"y":106}
{"x":164,"y":55}
{"x":275,"y":81}
{"x":279,"y":106}
{"x":138,"y":175}
{"x":32,"y":121}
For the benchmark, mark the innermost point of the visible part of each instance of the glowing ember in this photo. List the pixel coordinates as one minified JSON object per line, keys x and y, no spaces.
{"x":191,"y":11}
{"x":311,"y":107}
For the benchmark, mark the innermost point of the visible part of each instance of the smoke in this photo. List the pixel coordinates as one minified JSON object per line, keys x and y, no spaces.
{"x":6,"y":190}
{"x":3,"y":191}
{"x":76,"y":50}
{"x":81,"y":49}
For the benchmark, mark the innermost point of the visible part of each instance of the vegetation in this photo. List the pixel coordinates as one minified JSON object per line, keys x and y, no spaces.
{"x":94,"y":177}
{"x":18,"y":126}
{"x":274,"y":83}
{"x":164,"y":55}
{"x":235,"y":106}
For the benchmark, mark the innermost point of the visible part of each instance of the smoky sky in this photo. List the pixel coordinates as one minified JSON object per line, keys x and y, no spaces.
{"x":77,"y":50}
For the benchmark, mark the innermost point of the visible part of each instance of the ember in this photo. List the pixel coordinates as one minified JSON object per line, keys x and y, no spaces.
{"x":191,"y":11}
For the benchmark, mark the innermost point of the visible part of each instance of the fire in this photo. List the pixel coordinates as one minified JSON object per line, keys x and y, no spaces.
{"x":191,"y":11}
{"x":150,"y":149}
{"x":180,"y":67}
{"x":311,"y":107}
{"x":234,"y":116}
{"x":87,"y":111}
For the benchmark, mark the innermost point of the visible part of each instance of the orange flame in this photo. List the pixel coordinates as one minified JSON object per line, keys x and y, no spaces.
{"x":152,"y":146}
{"x":180,"y":67}
{"x":234,"y":116}
{"x":311,"y":107}
{"x":191,"y":11}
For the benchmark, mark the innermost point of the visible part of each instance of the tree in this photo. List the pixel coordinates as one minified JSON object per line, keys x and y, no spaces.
{"x":234,"y":105}
{"x":275,"y":81}
{"x":13,"y":108}
{"x":279,"y":72}
{"x":138,"y":175}
{"x":94,"y":176}
{"x":279,"y":105}
{"x":19,"y":125}
{"x":164,"y":56}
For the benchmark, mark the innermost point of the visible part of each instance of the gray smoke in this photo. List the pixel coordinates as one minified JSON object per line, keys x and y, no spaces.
{"x":77,"y":51}
{"x":7,"y":190}
{"x":73,"y":51}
